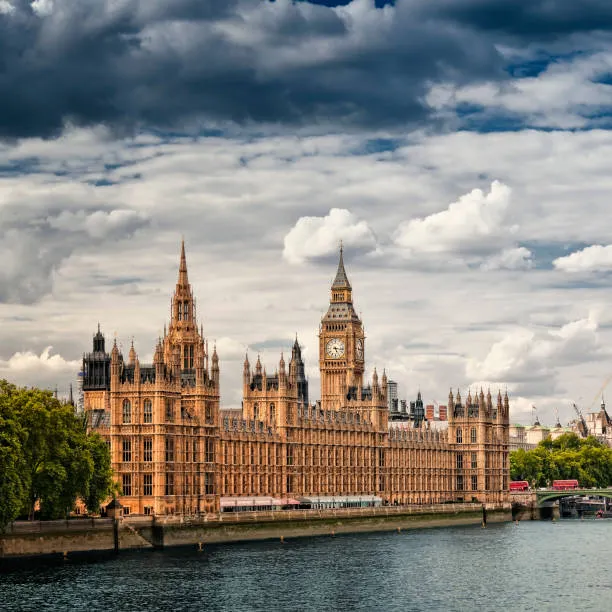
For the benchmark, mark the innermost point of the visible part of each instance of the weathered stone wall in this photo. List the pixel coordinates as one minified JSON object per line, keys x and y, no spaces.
{"x":69,"y":541}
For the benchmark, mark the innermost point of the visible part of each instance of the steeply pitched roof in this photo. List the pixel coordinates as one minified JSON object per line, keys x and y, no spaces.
{"x":341,"y":281}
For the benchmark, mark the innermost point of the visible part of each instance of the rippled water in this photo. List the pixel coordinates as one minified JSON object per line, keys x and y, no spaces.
{"x":533,"y":566}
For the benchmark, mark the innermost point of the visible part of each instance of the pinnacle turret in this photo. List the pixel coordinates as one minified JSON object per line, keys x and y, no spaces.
{"x":132,"y":355}
{"x":182,"y":278}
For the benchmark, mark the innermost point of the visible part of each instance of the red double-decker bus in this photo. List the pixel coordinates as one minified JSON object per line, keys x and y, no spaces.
{"x":565,"y":485}
{"x":519,"y":485}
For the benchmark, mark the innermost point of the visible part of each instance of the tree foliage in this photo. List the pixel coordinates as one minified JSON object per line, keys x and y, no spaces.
{"x":568,"y":457}
{"x":47,"y":458}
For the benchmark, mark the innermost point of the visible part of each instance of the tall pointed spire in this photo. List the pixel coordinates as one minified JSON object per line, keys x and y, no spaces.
{"x":341,"y":281}
{"x":182,"y":279}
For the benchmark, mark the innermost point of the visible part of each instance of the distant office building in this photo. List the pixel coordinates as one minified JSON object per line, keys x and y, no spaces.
{"x":392,"y":396}
{"x":443,"y":413}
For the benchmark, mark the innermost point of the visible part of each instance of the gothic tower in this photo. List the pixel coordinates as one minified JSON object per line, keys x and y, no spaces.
{"x":183,"y":337}
{"x":341,"y":344}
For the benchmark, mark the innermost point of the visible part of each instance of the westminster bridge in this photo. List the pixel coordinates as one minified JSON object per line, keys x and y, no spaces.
{"x":540,"y":503}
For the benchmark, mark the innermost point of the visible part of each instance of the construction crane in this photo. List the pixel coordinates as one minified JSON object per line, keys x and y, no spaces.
{"x":600,"y":392}
{"x":583,"y":426}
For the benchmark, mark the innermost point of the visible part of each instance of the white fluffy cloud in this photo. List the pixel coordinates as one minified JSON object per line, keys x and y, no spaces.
{"x":313,"y":237}
{"x":525,"y":356}
{"x":42,"y":7}
{"x":567,"y":94}
{"x":590,"y":259}
{"x":517,"y":258}
{"x":6,"y":8}
{"x":30,"y":369}
{"x":424,"y":325}
{"x":475,"y":223}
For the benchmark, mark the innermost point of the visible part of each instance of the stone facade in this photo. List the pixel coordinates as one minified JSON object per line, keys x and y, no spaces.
{"x":175,"y":451}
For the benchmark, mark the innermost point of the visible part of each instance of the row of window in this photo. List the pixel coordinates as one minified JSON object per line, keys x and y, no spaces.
{"x":169,"y":489}
{"x":474,"y":483}
{"x":473,"y":461}
{"x":183,"y":309}
{"x":147,"y":412}
{"x":473,"y":435}
{"x":147,"y":450}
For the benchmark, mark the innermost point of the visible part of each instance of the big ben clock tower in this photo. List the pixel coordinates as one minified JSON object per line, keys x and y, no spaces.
{"x":341,"y":344}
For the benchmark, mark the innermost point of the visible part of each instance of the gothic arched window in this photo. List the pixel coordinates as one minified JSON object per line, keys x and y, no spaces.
{"x":473,"y":435}
{"x":272,"y":413}
{"x":127,"y":411}
{"x":459,"y":435}
{"x":148,"y":411}
{"x":256,"y":411}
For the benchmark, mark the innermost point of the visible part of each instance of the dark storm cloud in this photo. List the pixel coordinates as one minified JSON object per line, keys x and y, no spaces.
{"x":187,"y":63}
{"x":526,"y":18}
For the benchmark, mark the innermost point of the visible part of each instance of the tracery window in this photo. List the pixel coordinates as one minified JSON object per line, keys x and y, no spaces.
{"x":147,"y":484}
{"x":147,"y":454}
{"x":459,"y":435}
{"x":473,"y":435}
{"x":272,"y":413}
{"x":169,"y":483}
{"x":147,"y":411}
{"x":127,"y":450}
{"x":127,"y":411}
{"x":169,"y":411}
{"x":210,"y":451}
{"x":126,"y":484}
{"x":209,"y":483}
{"x":169,"y":451}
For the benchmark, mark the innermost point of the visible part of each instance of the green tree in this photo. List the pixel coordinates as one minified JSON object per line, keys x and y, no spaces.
{"x":101,"y":484}
{"x":11,"y":463}
{"x":46,"y":456}
{"x":567,"y":457}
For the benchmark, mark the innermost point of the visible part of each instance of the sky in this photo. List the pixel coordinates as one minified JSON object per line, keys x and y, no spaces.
{"x":460,"y":149}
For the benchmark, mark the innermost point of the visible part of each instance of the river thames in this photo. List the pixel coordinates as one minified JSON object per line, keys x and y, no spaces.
{"x":564,"y":565}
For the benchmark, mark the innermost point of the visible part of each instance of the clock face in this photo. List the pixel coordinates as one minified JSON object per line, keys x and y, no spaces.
{"x":359,"y":348}
{"x":335,"y":348}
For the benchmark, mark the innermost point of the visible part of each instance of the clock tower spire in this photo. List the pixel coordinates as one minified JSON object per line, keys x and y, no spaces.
{"x":341,"y":344}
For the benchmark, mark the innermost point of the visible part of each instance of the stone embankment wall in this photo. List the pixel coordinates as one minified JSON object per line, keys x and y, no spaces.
{"x":102,"y":535}
{"x":25,"y":539}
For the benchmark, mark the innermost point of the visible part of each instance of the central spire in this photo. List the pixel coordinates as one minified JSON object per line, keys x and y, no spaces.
{"x":341,"y":281}
{"x":182,"y":278}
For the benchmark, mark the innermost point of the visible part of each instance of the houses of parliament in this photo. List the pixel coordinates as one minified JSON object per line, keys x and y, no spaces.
{"x":175,"y":451}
